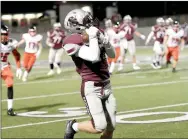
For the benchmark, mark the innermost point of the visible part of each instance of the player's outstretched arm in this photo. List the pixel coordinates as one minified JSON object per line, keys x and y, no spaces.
{"x":17,"y":57}
{"x":22,"y":41}
{"x":39,"y":50}
{"x":149,"y":37}
{"x":182,"y":44}
{"x":140,"y":35}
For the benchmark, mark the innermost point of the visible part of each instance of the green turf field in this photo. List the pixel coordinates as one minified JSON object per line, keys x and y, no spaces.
{"x":150,"y":103}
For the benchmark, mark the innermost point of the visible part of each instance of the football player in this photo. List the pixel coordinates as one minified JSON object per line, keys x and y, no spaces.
{"x":128,"y":43}
{"x":8,"y":46}
{"x":33,"y":49}
{"x":114,"y":39}
{"x":89,"y":57}
{"x":168,"y":23}
{"x":174,"y":38}
{"x":55,"y":41}
{"x":158,"y":33}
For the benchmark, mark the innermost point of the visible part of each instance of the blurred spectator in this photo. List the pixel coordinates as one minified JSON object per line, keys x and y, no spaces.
{"x":14,"y":23}
{"x":116,"y":18}
{"x":23,"y":22}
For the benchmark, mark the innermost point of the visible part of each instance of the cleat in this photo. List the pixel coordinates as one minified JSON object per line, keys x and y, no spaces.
{"x":167,"y":63}
{"x":136,"y":67}
{"x":154,"y":66}
{"x":69,"y":133}
{"x":11,"y":112}
{"x":58,"y":70}
{"x":24,"y":79}
{"x":51,"y":72}
{"x":120,"y":68}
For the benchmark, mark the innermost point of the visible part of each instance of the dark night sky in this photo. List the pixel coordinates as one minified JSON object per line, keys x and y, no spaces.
{"x":134,"y":8}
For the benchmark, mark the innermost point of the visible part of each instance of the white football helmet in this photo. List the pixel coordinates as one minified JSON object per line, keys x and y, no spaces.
{"x":77,"y":20}
{"x":57,"y":26}
{"x":32,"y":30}
{"x":160,"y":21}
{"x":167,"y":22}
{"x":170,"y":20}
{"x":108,"y":23}
{"x":127,"y":19}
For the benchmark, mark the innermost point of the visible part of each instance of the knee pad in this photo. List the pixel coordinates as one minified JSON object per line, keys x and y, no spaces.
{"x":9,"y":82}
{"x":100,"y":122}
{"x":175,"y":59}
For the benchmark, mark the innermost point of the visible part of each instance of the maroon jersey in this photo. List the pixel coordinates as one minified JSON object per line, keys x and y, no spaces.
{"x":88,"y":71}
{"x":159,"y":33}
{"x":56,"y":37}
{"x":129,"y":30}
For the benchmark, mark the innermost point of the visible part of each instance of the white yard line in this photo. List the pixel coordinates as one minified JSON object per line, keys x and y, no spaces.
{"x":61,"y":120}
{"x":115,"y":88}
{"x":184,"y":78}
{"x":77,"y":77}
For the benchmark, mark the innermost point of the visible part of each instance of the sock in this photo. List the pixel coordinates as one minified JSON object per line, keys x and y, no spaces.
{"x":52,"y":66}
{"x":120,"y":65}
{"x":112,"y":66}
{"x":75,"y":127}
{"x":134,"y":64}
{"x":10,"y":103}
{"x":25,"y":74}
{"x":158,"y":63}
{"x":10,"y":97}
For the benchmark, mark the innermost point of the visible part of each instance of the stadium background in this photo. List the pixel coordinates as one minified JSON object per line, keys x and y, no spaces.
{"x":46,"y":13}
{"x":148,"y":90}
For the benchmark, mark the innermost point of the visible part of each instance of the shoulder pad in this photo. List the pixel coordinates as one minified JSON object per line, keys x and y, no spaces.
{"x":13,"y":42}
{"x":71,"y":49}
{"x":24,"y":36}
{"x":153,"y":28}
{"x":39,"y":37}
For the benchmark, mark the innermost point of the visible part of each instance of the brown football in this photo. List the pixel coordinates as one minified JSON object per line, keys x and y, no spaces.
{"x":85,"y":37}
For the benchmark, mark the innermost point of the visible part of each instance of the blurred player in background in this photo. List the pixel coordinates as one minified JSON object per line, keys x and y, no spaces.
{"x":174,"y":38}
{"x":158,"y":33}
{"x":8,"y":46}
{"x":111,"y":31}
{"x":88,"y":48}
{"x":55,"y":41}
{"x":33,"y":49}
{"x":168,"y":23}
{"x":128,"y":43}
{"x":185,"y":28}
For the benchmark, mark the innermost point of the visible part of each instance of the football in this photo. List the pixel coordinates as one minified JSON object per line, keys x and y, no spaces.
{"x":85,"y":37}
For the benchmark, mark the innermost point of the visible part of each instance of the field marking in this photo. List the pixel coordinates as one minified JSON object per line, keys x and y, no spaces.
{"x":83,"y":117}
{"x":184,"y":78}
{"x":114,"y":88}
{"x":75,"y":77}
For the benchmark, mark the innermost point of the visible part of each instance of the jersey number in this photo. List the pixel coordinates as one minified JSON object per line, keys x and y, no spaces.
{"x":57,"y":39}
{"x":115,"y":41}
{"x":127,"y":30}
{"x":160,"y":34}
{"x":32,"y":45}
{"x":175,"y":40}
{"x":4,"y":57}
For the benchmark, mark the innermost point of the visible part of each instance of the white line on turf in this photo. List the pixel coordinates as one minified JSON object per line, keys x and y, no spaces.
{"x":54,"y":121}
{"x":115,"y":88}
{"x":77,"y":77}
{"x":184,"y":78}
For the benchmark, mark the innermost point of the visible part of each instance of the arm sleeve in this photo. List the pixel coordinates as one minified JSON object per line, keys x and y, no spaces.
{"x":91,"y":53}
{"x":150,"y":36}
